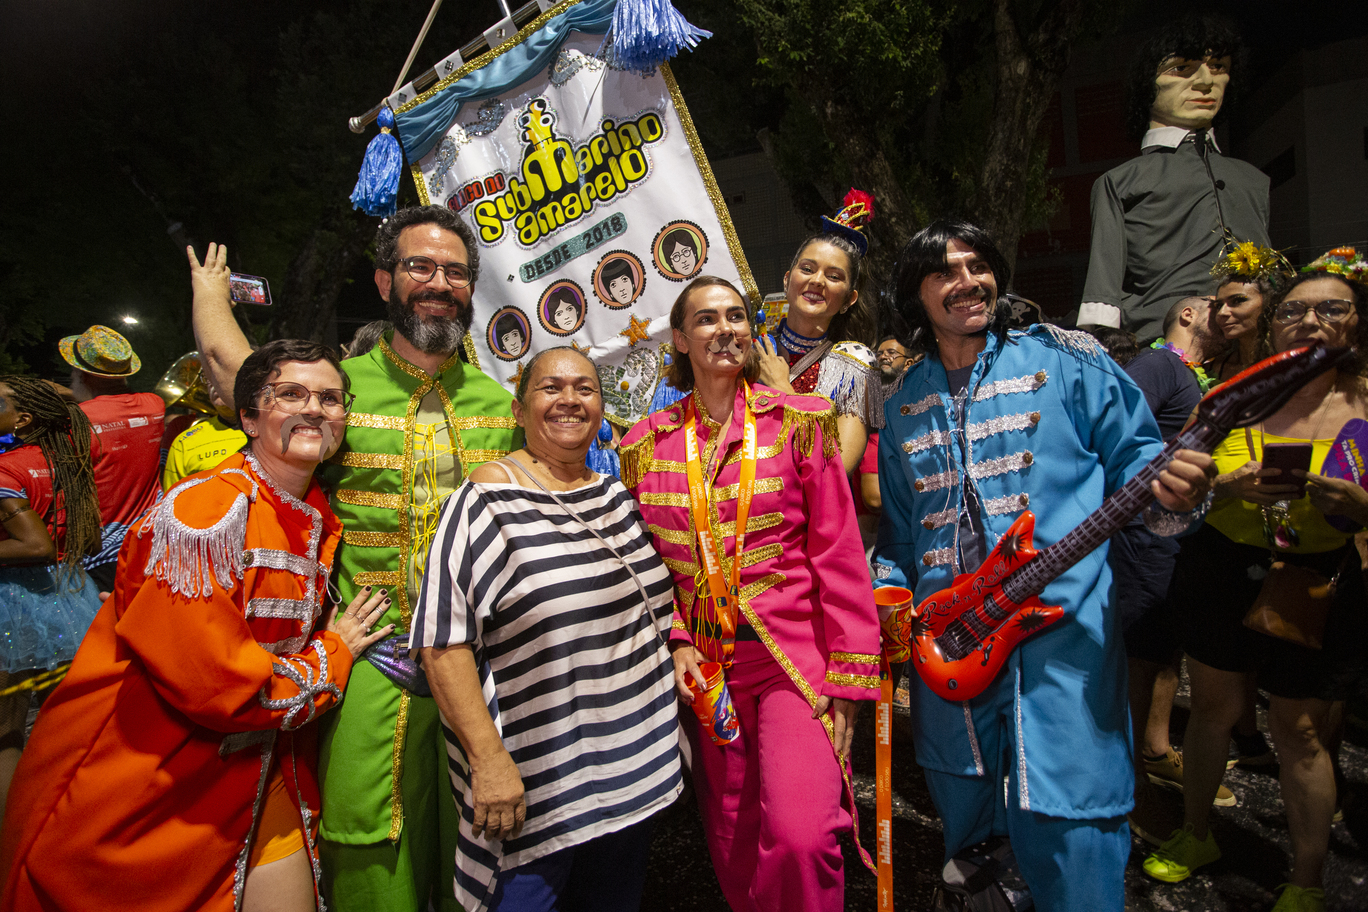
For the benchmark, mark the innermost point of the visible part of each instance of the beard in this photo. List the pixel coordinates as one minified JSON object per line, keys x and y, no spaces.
{"x":1206,"y":342}
{"x":889,"y":373}
{"x":434,"y":335}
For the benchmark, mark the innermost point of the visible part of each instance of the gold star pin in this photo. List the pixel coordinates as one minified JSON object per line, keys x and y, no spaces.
{"x":637,"y":330}
{"x":516,"y":378}
{"x":582,"y":349}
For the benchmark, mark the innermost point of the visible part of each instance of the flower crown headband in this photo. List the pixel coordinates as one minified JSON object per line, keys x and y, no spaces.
{"x":1342,"y":261}
{"x":1252,"y":260}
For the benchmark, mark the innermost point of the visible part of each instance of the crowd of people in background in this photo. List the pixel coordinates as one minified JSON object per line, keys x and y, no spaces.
{"x":379,"y":632}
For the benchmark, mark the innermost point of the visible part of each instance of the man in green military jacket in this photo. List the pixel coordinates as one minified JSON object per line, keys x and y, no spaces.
{"x":423,"y":418}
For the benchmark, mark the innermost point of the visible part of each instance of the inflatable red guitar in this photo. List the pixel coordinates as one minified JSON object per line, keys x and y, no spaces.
{"x":961,"y":636}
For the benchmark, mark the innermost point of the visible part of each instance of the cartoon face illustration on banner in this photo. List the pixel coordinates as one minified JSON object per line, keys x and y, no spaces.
{"x":619,"y":279}
{"x":509,"y":335}
{"x":561,"y":309}
{"x":680,"y":250}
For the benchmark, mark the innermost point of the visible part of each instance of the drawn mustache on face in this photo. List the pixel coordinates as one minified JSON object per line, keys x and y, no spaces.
{"x":725,"y":343}
{"x":978,"y":294}
{"x":294,"y":421}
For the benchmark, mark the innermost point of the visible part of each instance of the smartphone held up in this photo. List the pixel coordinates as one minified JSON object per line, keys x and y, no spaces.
{"x":1285,"y":457}
{"x":249,"y":289}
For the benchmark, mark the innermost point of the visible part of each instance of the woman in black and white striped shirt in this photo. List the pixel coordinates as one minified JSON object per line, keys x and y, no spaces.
{"x":541,"y":626}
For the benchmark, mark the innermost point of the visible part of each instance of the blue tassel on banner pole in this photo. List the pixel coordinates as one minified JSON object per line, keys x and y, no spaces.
{"x":378,"y":183}
{"x":646,"y":33}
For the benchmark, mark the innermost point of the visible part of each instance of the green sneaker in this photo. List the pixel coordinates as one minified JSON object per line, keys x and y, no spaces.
{"x":1300,"y":899}
{"x":1181,"y":855}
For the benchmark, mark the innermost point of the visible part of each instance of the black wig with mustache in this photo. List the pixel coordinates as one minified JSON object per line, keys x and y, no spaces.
{"x":924,"y":254}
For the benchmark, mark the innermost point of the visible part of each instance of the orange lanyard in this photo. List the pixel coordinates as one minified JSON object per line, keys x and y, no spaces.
{"x":712,"y":547}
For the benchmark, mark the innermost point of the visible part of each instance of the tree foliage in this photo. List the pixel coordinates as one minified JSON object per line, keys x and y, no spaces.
{"x":934,"y":106}
{"x":194,"y":122}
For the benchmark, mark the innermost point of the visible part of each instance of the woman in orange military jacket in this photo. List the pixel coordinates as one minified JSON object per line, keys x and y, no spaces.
{"x":173,"y":768}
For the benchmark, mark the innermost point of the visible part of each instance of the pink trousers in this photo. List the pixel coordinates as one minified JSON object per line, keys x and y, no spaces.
{"x":771,"y":799}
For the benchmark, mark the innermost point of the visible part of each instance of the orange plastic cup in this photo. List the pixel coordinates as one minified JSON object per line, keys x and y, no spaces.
{"x":713,"y":704}
{"x":895,"y":621}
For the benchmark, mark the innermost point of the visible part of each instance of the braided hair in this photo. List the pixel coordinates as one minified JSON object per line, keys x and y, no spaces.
{"x":62,"y":432}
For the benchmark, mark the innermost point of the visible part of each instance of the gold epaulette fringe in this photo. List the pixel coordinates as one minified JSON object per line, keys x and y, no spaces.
{"x":805,"y":425}
{"x":636,"y":460}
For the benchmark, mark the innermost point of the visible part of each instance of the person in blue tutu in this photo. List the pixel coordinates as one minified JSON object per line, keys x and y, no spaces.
{"x":49,"y":520}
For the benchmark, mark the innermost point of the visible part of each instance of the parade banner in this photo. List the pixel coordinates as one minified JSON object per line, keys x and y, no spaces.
{"x":587,"y":189}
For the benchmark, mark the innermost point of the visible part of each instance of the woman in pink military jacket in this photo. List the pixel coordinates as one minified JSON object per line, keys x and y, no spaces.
{"x":806,"y":633}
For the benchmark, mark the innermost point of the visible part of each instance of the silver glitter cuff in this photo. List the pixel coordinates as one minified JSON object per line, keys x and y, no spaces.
{"x":302,"y":675}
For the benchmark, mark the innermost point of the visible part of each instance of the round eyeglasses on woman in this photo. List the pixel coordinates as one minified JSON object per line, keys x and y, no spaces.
{"x":422,"y":269}
{"x":1331,"y":311}
{"x":293,"y":398}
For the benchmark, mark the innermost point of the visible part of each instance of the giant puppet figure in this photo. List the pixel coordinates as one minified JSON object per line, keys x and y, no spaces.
{"x":1161,"y":220}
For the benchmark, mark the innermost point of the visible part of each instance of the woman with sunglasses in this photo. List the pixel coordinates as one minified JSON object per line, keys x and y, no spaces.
{"x":1261,"y":514}
{"x":173,"y":768}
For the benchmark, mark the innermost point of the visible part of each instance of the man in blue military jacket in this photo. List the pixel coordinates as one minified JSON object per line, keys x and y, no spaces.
{"x":990,"y":422}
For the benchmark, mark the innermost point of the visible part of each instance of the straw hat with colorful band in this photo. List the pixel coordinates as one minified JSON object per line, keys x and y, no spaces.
{"x":101,"y":351}
{"x":1342,"y":261}
{"x":857,"y":210}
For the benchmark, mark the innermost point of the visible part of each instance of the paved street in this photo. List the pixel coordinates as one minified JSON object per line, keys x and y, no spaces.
{"x":1252,"y":835}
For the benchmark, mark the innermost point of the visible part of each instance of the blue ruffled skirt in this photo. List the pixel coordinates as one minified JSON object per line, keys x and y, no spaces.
{"x":44,"y":614}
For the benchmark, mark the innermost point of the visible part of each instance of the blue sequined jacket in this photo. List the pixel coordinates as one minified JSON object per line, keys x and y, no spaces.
{"x":1053,"y":424}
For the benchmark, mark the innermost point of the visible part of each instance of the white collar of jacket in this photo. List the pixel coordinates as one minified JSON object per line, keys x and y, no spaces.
{"x":1173,"y":137}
